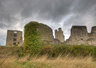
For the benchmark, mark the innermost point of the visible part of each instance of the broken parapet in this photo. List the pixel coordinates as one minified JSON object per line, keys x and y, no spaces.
{"x":92,"y":36}
{"x":79,"y":35}
{"x":14,"y":38}
{"x":59,"y":35}
{"x":46,"y":32}
{"x":79,"y":31}
{"x":93,"y":31}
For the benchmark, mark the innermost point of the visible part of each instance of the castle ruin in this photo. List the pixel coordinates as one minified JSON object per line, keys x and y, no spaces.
{"x":80,"y":35}
{"x":59,"y":35}
{"x":45,"y":32}
{"x":41,"y":31}
{"x":92,"y":36}
{"x":14,"y":38}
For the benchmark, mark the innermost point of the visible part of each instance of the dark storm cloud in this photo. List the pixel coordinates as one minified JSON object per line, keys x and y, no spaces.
{"x":7,"y":14}
{"x":61,"y":12}
{"x":46,"y":9}
{"x":84,"y":5}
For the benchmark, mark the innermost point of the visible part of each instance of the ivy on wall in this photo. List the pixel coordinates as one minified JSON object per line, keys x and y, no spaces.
{"x":31,"y":37}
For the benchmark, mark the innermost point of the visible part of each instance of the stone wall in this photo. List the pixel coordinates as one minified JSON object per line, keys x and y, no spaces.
{"x":46,"y":33}
{"x":59,"y":35}
{"x":14,"y":38}
{"x":80,"y":35}
{"x":39,"y":32}
{"x":92,"y":36}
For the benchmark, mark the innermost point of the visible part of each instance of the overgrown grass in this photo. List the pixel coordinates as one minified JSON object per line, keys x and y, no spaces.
{"x":79,"y":56}
{"x":61,"y":49}
{"x":44,"y":62}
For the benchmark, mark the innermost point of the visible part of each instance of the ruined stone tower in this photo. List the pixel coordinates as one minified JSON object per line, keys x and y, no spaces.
{"x":46,"y":32}
{"x":41,"y":33}
{"x":14,"y":38}
{"x":79,"y":35}
{"x":92,"y":36}
{"x":59,"y":35}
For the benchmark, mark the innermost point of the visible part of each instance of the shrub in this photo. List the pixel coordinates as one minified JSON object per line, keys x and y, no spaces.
{"x":20,"y":52}
{"x":47,"y":50}
{"x":79,"y":50}
{"x":61,"y":50}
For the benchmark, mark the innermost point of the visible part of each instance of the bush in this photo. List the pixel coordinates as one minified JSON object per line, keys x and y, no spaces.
{"x":47,"y":50}
{"x":80,"y":50}
{"x":20,"y":52}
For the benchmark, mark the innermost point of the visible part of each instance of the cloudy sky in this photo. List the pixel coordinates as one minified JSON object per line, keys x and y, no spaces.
{"x":14,"y":14}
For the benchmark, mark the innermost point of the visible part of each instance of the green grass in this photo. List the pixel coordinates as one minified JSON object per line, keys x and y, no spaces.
{"x":61,"y":49}
{"x":86,"y":54}
{"x":26,"y":64}
{"x":29,"y":64}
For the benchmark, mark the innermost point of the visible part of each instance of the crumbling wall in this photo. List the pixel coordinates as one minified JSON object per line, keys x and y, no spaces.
{"x":45,"y":32}
{"x":41,"y":33}
{"x":59,"y":35}
{"x":92,"y":36}
{"x":35,"y":31}
{"x":14,"y":38}
{"x":79,"y":35}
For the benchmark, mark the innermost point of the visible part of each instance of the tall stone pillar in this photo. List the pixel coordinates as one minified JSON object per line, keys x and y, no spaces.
{"x":59,"y":35}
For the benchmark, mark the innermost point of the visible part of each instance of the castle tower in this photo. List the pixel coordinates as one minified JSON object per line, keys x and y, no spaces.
{"x":14,"y":38}
{"x":42,"y":32}
{"x":59,"y":35}
{"x":79,"y":35}
{"x":92,"y":36}
{"x":79,"y":32}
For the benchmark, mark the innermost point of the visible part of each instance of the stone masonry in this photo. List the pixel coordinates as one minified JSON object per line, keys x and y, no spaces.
{"x":59,"y":35}
{"x":14,"y":38}
{"x":80,"y":35}
{"x":46,"y":33}
{"x":92,"y":36}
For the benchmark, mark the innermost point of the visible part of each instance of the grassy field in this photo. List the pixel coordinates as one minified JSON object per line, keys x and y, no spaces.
{"x":54,"y":56}
{"x":44,"y":62}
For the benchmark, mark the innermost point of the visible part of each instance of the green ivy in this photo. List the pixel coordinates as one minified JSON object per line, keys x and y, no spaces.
{"x":31,"y":37}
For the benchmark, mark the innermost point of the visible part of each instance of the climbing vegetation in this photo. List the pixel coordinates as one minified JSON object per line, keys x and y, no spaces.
{"x":31,"y":38}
